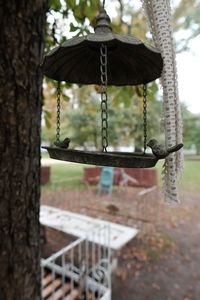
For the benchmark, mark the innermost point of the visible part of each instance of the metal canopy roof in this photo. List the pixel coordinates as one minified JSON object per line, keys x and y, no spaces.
{"x":130,"y":61}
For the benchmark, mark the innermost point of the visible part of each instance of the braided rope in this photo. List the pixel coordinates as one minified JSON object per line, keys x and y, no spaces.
{"x":160,"y":22}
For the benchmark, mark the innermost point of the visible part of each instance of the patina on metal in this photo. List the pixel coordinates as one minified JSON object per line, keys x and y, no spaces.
{"x":114,"y":159}
{"x":104,"y":97}
{"x":58,"y":114}
{"x":110,"y":159}
{"x":145,"y":117}
{"x":103,"y":58}
{"x":130,"y":61}
{"x":160,"y":151}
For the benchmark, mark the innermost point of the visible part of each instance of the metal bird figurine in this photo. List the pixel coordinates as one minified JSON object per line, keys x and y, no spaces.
{"x":64,"y":144}
{"x":160,"y":151}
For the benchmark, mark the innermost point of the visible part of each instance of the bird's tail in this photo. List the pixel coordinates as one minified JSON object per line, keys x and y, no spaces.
{"x":175,"y":148}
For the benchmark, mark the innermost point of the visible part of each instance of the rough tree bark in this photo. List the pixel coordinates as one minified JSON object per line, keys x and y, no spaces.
{"x":21,"y":45}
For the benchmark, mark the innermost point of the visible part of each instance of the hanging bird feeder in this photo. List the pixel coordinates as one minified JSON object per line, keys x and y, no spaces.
{"x":104,"y":58}
{"x":128,"y":60}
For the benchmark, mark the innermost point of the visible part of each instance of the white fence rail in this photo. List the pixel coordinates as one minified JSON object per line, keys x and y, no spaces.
{"x":82,"y":270}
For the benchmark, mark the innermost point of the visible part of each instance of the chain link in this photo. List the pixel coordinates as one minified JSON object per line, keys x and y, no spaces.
{"x":104,"y":97}
{"x":58,"y":114}
{"x":53,"y":33}
{"x":145,"y":115}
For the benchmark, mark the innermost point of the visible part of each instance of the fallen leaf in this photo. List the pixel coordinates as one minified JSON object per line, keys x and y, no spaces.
{"x":174,"y":268}
{"x":187,"y":259}
{"x":122,"y":275}
{"x":174,"y":225}
{"x":138,"y":266}
{"x":150,"y":269}
{"x":129,"y":266}
{"x":156,"y":286}
{"x":137,"y":274}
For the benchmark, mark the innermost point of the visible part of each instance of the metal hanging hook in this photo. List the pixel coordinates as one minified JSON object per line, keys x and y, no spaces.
{"x":103,"y":4}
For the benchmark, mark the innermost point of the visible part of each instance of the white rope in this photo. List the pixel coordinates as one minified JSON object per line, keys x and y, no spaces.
{"x":159,"y":17}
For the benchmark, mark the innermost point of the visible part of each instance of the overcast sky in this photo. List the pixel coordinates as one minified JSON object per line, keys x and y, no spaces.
{"x":189,"y":76}
{"x":188,"y":64}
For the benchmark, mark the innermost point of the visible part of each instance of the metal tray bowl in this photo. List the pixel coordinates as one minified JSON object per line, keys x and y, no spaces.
{"x":111,"y":159}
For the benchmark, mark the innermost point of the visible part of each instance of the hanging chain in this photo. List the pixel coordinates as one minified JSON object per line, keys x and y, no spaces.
{"x":104,"y":97}
{"x":53,"y":33}
{"x":103,"y":3}
{"x":145,"y":115}
{"x":58,"y":114}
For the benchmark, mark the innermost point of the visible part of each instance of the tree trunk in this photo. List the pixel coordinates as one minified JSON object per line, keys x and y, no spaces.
{"x":21,"y":47}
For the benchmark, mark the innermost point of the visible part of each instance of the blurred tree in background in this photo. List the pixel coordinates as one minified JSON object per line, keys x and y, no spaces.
{"x":191,"y":129}
{"x":81,"y":105}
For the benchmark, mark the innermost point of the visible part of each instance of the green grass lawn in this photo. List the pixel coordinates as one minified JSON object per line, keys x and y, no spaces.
{"x":70,"y":176}
{"x":191,"y":175}
{"x":44,"y":154}
{"x":190,"y":178}
{"x":66,"y":171}
{"x":65,"y":176}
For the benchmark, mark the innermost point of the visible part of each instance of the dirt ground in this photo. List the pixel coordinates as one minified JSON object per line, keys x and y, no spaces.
{"x":163,"y":262}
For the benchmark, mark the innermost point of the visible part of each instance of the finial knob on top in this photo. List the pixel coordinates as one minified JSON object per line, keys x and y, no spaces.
{"x":103,"y":22}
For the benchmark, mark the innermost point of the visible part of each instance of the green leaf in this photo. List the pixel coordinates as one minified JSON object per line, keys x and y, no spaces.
{"x":65,"y":98}
{"x":71,"y":3}
{"x":47,"y":118}
{"x":47,"y":123}
{"x":54,"y":5}
{"x":73,"y":28}
{"x":48,"y":114}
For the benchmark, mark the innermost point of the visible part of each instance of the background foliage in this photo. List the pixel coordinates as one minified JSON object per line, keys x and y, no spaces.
{"x":81,"y":105}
